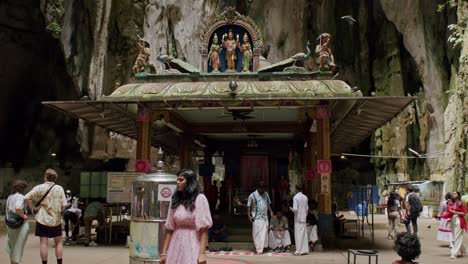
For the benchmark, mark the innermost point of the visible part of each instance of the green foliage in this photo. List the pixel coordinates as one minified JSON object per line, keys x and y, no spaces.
{"x":54,"y":16}
{"x":447,"y":4}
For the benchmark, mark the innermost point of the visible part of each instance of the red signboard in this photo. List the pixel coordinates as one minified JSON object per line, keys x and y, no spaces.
{"x":142,"y":166}
{"x":324,"y":166}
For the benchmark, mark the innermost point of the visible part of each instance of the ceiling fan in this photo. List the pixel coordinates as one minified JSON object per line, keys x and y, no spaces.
{"x":238,"y":114}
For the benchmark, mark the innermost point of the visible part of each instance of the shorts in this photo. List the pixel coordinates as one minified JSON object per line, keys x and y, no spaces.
{"x":48,"y":231}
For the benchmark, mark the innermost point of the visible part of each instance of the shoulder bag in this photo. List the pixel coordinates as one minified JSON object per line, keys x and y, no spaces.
{"x":12,"y":220}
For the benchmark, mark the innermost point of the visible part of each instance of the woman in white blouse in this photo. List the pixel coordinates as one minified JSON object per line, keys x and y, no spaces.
{"x":17,"y":237}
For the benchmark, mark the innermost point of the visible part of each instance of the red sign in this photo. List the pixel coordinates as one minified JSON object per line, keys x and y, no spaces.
{"x":142,"y":166}
{"x":322,"y":112}
{"x":166,"y":192}
{"x":324,"y":166}
{"x":310,"y":175}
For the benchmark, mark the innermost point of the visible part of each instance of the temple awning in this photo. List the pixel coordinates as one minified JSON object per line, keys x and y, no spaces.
{"x":195,"y":104}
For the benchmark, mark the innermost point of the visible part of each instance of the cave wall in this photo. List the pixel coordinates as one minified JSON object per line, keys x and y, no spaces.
{"x":395,"y":48}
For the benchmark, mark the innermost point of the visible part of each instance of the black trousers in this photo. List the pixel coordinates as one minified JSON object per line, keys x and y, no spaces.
{"x":73,"y":218}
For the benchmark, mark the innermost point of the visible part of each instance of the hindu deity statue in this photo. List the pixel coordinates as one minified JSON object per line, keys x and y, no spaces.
{"x":143,"y":56}
{"x":213,"y":56}
{"x":326,"y":60}
{"x":230,"y":45}
{"x":246,"y":50}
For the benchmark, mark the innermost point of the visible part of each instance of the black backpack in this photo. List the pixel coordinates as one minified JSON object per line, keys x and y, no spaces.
{"x":415,"y":203}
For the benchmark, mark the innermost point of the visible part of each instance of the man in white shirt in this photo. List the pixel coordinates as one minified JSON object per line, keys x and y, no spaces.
{"x":300,"y":209}
{"x":49,"y":215}
{"x":279,"y":238}
{"x":258,"y":206}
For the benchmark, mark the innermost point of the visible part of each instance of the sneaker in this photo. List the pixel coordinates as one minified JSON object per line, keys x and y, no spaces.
{"x":92,"y":244}
{"x":453,"y":257}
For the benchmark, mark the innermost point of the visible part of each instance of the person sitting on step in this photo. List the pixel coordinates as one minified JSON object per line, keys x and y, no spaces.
{"x":278,"y":238}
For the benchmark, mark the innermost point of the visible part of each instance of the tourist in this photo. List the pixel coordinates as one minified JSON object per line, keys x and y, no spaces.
{"x":51,"y":202}
{"x":413,"y":208}
{"x":456,"y":212}
{"x":217,"y":232}
{"x":72,"y":215}
{"x":279,"y":238}
{"x":300,"y":209}
{"x":258,"y":206}
{"x":312,"y":221}
{"x":187,"y":223}
{"x":17,"y":235}
{"x":94,"y":211}
{"x":407,"y":247}
{"x":444,"y":233}
{"x":394,"y":214}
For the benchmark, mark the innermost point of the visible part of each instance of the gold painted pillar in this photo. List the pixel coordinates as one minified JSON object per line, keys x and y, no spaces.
{"x":144,"y":133}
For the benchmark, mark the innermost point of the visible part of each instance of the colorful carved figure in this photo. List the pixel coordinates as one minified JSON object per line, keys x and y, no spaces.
{"x":326,"y":60}
{"x":143,"y":56}
{"x":246,"y":50}
{"x":213,"y":56}
{"x":230,"y":45}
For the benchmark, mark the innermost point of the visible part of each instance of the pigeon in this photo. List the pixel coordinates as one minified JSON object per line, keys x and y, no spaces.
{"x":349,"y":19}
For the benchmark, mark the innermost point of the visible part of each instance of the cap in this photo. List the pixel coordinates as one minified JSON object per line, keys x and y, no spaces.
{"x":68,"y":191}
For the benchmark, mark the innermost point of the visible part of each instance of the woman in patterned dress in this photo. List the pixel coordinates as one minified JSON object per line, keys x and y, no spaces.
{"x":187,"y":223}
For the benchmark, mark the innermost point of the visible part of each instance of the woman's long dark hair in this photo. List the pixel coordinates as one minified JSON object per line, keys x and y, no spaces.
{"x":187,"y":197}
{"x":391,"y":199}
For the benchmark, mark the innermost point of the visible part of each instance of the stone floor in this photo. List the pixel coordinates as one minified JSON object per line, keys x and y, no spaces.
{"x":432,"y":252}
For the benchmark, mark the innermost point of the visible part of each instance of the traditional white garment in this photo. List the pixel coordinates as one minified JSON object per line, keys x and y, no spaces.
{"x":458,"y":246}
{"x":300,"y":209}
{"x":444,"y":233}
{"x":259,"y":208}
{"x":279,"y":238}
{"x":260,"y":234}
{"x":312,"y":233}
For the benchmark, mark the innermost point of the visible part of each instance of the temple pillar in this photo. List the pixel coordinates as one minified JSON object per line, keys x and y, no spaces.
{"x":323,"y":165}
{"x":144,"y":133}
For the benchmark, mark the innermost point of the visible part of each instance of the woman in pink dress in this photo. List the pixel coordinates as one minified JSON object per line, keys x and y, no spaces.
{"x":187,"y":223}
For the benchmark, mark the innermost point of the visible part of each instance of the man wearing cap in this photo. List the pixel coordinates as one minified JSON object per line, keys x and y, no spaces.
{"x":52,"y":201}
{"x":300,"y":209}
{"x":258,"y":206}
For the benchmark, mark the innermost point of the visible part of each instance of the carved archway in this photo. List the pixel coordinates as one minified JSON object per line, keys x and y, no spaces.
{"x":228,"y":18}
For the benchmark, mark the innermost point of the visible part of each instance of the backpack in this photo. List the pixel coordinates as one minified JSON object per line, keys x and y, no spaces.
{"x":415,"y":203}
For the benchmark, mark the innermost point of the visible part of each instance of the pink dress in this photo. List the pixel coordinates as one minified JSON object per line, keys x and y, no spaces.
{"x":185,"y":242}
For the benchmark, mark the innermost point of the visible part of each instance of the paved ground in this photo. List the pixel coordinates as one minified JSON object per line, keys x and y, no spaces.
{"x":433,"y":252}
